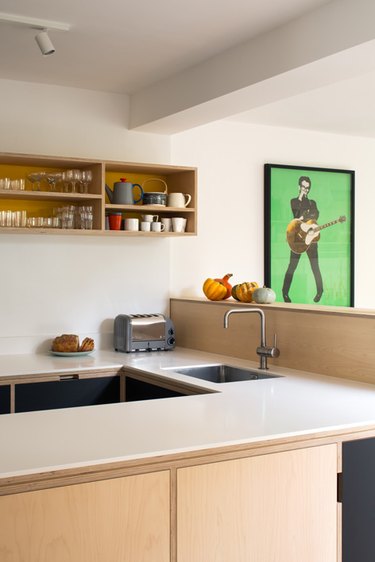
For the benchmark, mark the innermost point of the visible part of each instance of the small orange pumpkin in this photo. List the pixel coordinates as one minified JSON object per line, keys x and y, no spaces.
{"x":243,"y":292}
{"x":227,"y":285}
{"x":217,"y":289}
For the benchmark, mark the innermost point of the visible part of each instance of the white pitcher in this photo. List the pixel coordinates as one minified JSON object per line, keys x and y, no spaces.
{"x":178,"y":199}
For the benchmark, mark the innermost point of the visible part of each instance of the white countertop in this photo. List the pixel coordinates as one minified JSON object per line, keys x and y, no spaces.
{"x":237,"y":413}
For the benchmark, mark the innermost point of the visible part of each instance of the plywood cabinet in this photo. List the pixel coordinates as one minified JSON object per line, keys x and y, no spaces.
{"x":118,"y":520}
{"x":277,"y":507}
{"x":42,"y":203}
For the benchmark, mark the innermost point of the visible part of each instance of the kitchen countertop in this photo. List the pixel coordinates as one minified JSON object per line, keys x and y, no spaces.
{"x":295,"y":404}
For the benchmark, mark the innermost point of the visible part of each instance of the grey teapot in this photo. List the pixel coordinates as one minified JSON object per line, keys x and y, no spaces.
{"x":123,"y":193}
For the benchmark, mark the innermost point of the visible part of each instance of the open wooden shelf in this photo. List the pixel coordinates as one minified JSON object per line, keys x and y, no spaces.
{"x":42,"y":203}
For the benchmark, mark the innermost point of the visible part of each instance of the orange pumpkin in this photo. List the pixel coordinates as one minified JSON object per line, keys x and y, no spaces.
{"x":217,"y":289}
{"x":227,"y":285}
{"x":243,"y":292}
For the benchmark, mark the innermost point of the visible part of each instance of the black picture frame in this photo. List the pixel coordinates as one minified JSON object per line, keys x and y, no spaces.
{"x":324,"y":271}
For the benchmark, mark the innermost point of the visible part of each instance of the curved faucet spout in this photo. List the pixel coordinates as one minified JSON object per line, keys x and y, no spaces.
{"x":263,"y":350}
{"x":248,"y":311}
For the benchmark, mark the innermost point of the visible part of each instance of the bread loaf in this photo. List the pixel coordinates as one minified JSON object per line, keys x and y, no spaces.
{"x":87,"y":345}
{"x":66,"y":343}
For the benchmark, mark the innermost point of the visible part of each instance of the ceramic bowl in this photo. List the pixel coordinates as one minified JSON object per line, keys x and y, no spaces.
{"x":154,"y":198}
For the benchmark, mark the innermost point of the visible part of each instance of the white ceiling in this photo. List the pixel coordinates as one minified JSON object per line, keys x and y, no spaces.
{"x":123,"y":46}
{"x":147,"y":48}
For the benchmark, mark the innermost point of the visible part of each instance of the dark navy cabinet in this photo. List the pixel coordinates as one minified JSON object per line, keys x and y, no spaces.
{"x":5,"y":399}
{"x":67,"y":393}
{"x":358,"y":501}
{"x":140,"y":390}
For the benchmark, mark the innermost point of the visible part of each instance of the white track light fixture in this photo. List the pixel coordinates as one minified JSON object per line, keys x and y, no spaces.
{"x":44,"y":42}
{"x":41,"y":26}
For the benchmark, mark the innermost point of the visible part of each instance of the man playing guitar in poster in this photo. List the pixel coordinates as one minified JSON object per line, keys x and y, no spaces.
{"x":304,"y":209}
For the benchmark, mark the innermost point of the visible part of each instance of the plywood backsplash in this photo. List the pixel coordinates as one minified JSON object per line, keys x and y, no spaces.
{"x":333,"y":341}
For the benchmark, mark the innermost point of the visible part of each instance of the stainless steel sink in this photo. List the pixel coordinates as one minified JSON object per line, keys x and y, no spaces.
{"x":224,"y":373}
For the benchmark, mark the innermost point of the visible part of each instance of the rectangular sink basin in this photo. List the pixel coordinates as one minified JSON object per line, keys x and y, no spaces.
{"x":224,"y":373}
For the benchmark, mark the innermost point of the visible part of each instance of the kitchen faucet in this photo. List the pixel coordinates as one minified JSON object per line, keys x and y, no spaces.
{"x":263,"y":350}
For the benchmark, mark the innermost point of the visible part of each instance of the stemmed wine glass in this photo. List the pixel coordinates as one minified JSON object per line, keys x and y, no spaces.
{"x":65,"y":178}
{"x":76,"y":178}
{"x":53,"y":179}
{"x":86,"y":179}
{"x":73,"y":177}
{"x":35,"y":178}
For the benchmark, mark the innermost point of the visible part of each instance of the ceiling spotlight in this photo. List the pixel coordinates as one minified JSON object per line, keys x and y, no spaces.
{"x":44,"y":42}
{"x":42,"y":26}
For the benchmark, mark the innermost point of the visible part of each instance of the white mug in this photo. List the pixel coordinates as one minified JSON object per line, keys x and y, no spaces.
{"x":167,"y":221}
{"x":178,"y":224}
{"x":131,"y":224}
{"x":145,"y":226}
{"x":157,"y":227}
{"x":178,"y":199}
{"x":150,"y":218}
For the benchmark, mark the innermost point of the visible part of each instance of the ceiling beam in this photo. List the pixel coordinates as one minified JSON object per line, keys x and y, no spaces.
{"x":314,"y":50}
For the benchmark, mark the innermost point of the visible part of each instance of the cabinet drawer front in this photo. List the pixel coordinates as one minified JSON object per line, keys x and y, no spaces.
{"x":5,"y":399}
{"x":49,"y":395}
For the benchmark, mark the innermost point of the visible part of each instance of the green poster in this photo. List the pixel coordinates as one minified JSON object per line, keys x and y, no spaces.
{"x":309,"y":226}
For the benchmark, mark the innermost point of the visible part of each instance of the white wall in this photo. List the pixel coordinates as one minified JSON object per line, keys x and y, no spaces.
{"x":230,"y":158}
{"x":50,"y":285}
{"x":52,"y":120}
{"x":54,"y":284}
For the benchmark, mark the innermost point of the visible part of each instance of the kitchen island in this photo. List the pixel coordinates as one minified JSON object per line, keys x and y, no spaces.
{"x":199,"y":476}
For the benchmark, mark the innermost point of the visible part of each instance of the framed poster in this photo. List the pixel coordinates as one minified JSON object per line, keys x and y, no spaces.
{"x":309,"y":234}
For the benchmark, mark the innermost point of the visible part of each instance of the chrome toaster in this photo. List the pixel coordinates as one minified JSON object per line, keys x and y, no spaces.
{"x":143,"y":332}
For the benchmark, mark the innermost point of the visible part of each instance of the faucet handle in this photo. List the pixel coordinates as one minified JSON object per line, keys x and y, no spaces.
{"x":269,"y":351}
{"x":275,"y":352}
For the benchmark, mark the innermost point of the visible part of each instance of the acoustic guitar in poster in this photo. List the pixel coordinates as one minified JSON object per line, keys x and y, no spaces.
{"x":300,"y":235}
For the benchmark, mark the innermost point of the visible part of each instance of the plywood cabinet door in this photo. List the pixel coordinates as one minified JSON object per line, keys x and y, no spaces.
{"x":273,"y":508}
{"x":120,"y":520}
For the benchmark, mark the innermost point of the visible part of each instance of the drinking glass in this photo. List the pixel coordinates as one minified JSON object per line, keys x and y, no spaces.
{"x":31,"y":222}
{"x":53,"y":179}
{"x":84,"y":217}
{"x":23,"y":218}
{"x":86,"y":179}
{"x":71,"y":177}
{"x":47,"y":222}
{"x":67,"y":216}
{"x":57,"y":217}
{"x":76,"y":176}
{"x":65,"y":177}
{"x":17,"y":184}
{"x":16,"y":219}
{"x":35,"y":178}
{"x":5,"y":183}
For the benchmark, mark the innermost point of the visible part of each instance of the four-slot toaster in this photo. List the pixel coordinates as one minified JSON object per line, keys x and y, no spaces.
{"x":143,"y":332}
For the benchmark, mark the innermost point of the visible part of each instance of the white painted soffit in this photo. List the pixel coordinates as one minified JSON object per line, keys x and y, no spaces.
{"x":330,"y":44}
